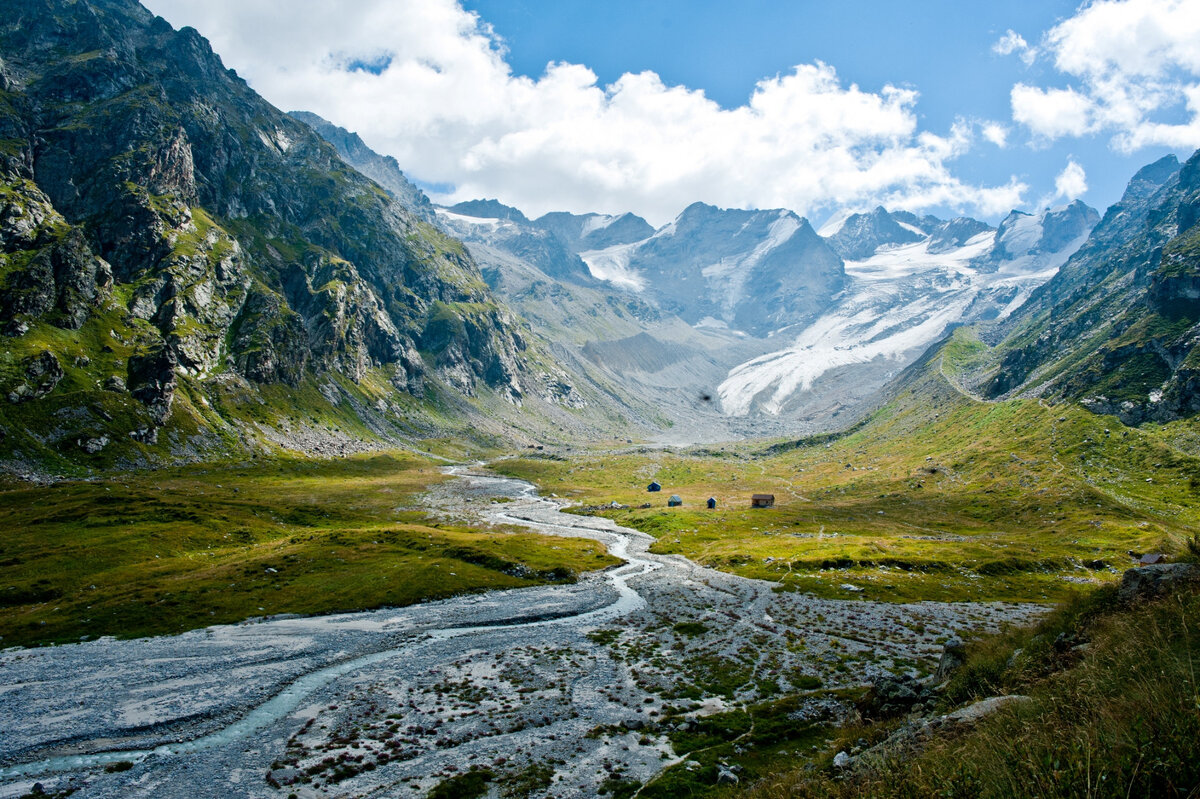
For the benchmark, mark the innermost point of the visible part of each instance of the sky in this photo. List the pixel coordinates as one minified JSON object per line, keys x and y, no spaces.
{"x":549,"y":105}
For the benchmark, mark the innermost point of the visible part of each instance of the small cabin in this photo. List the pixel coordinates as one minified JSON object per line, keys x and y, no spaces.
{"x":712,"y":503}
{"x":1149,"y":559}
{"x":762,"y":501}
{"x":654,"y":486}
{"x":674,"y":501}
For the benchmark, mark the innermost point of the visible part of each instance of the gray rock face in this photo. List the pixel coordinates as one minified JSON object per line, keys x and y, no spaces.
{"x":584,"y":232}
{"x":861,"y":234}
{"x":508,"y":231}
{"x":756,"y":271}
{"x":382,"y":169}
{"x":146,"y":181}
{"x":1116,"y":327}
{"x":489,"y":209}
{"x":1150,"y":581}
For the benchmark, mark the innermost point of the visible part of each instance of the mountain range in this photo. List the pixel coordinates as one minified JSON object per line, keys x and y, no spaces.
{"x":188,"y":271}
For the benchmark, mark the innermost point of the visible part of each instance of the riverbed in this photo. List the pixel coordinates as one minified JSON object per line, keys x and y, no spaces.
{"x":570,"y":678}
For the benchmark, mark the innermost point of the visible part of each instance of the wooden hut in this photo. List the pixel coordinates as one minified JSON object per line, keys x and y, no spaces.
{"x":654,"y":486}
{"x":674,"y":501}
{"x":712,"y":503}
{"x":762,"y":500}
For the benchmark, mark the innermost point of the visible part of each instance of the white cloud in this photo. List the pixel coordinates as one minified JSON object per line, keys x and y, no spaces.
{"x":1052,"y":113}
{"x":1071,"y":182}
{"x":1136,"y":66}
{"x":996,"y":133}
{"x":441,"y":98}
{"x":1013,"y":42}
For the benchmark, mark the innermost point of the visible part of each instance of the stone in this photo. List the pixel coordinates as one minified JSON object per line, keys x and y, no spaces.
{"x":726,"y":777}
{"x":952,"y":659}
{"x":114,"y":383}
{"x":842,"y":760}
{"x":893,"y":696}
{"x":1150,"y":581}
{"x":43,"y":372}
{"x":93,"y":445}
{"x":286,"y":776}
{"x":984,"y":707}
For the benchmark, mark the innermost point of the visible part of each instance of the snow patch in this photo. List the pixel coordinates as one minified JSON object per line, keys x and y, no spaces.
{"x":835,"y":223}
{"x":491,"y":223}
{"x":612,"y":265}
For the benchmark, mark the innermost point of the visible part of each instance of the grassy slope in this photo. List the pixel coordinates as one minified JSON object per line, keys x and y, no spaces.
{"x":162,"y":552}
{"x":937,"y":496}
{"x":1117,"y":718}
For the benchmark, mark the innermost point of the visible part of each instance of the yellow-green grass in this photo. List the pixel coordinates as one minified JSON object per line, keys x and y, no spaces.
{"x":161,"y":552}
{"x":1118,"y":717}
{"x":937,"y":496}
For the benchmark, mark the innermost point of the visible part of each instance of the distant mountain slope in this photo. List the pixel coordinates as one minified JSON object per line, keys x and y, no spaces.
{"x":487,"y":224}
{"x":755,"y":271}
{"x":582,"y":232}
{"x":922,"y":277}
{"x":1116,"y":328}
{"x":382,"y":169}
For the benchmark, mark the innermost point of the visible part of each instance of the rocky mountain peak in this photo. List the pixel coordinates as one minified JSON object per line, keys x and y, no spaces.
{"x":860,"y":235}
{"x":489,"y":209}
{"x":584,"y":232}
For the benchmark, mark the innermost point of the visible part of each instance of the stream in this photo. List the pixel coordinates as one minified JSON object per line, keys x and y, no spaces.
{"x":394,"y":702}
{"x":618,"y":541}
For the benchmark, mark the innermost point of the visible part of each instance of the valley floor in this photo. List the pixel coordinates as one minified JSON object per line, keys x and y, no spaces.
{"x":564,"y":690}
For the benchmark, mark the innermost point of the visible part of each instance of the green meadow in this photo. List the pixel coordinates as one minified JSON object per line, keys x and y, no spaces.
{"x":147,"y":553}
{"x":935,"y":496}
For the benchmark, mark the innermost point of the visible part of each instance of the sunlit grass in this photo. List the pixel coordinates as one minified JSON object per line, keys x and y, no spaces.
{"x":938,"y":496}
{"x":161,"y":552}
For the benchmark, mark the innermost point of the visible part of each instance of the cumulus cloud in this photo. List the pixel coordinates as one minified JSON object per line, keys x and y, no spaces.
{"x":427,"y":82}
{"x":1135,"y":66}
{"x":1052,"y":113}
{"x":1013,"y":42}
{"x":1071,"y":182}
{"x":996,"y":133}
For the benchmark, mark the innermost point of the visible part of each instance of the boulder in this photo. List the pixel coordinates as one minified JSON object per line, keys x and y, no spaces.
{"x":1150,"y":581}
{"x":726,"y":777}
{"x":889,"y":697}
{"x":953,"y":656}
{"x":984,"y":707}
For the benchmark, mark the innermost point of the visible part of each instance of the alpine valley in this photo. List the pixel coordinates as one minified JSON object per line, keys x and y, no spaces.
{"x":313,"y":487}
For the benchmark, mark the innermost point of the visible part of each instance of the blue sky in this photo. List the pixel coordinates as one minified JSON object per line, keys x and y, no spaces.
{"x":943,"y":49}
{"x":641,"y":106}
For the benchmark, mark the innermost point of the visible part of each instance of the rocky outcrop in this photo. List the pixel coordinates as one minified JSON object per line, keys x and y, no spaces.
{"x":912,"y":737}
{"x":155,"y":204}
{"x":42,"y":373}
{"x":583,"y":232}
{"x":1117,"y":327}
{"x":1147,"y":582}
{"x":383,"y":169}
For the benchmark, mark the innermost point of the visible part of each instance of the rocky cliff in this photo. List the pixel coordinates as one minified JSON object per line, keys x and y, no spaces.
{"x":1116,"y":328}
{"x":383,"y":169}
{"x":164,"y":230}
